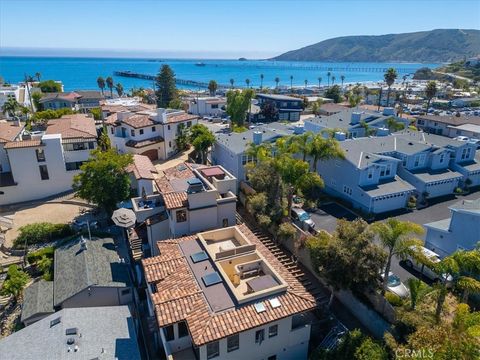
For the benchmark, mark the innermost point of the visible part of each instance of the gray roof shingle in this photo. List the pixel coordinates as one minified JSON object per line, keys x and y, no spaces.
{"x":37,"y":299}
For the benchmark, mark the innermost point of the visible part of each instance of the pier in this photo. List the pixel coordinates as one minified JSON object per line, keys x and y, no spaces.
{"x":192,"y":83}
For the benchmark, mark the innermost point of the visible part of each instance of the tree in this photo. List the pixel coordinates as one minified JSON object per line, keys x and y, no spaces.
{"x":328,"y":77}
{"x":50,"y":86}
{"x":38,"y":75}
{"x":232,"y":81}
{"x":354,"y":100}
{"x":291,"y":82}
{"x":324,"y":149}
{"x":202,"y":139}
{"x":10,"y":107}
{"x":333,"y":80}
{"x":390,"y":76}
{"x":101,"y":83}
{"x":342,"y":78}
{"x":319,"y":81}
{"x":15,"y":281}
{"x":269,"y":111}
{"x":177,"y":103}
{"x":238,"y":103}
{"x":166,"y":90}
{"x":316,"y":106}
{"x":394,"y":125}
{"x":182,"y":137}
{"x":103,"y":179}
{"x":212,"y":87}
{"x":36,"y":96}
{"x":109,"y":82}
{"x":334,"y":93}
{"x":119,"y":89}
{"x":417,"y":290}
{"x":247,"y":81}
{"x":430,"y":92}
{"x":277,"y":81}
{"x":261,"y":81}
{"x":104,"y":142}
{"x":306,"y":83}
{"x":302,"y":143}
{"x":398,"y":238}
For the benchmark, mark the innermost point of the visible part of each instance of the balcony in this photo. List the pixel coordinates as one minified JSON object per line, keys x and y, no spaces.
{"x":147,"y":207}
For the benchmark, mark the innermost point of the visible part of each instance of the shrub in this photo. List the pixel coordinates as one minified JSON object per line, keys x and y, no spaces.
{"x":50,"y":86}
{"x":15,"y":282}
{"x":286,"y":231}
{"x":34,"y":256}
{"x":412,"y":202}
{"x":264,"y":221}
{"x":51,"y":114}
{"x":97,"y":113}
{"x":458,"y":190}
{"x":42,"y":232}
{"x":393,"y":299}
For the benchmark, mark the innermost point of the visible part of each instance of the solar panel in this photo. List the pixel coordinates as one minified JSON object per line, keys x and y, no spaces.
{"x":259,"y":307}
{"x":211,"y":279}
{"x":199,"y":256}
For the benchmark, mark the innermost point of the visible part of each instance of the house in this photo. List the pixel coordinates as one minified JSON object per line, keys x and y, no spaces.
{"x":459,"y":232}
{"x":191,"y":198}
{"x":108,"y":332}
{"x":149,"y":133}
{"x":142,"y":175}
{"x":328,"y":109}
{"x":450,"y":126}
{"x":207,"y":106}
{"x":289,"y":108}
{"x":87,"y":273}
{"x":354,"y":122}
{"x":229,"y":149}
{"x":79,"y":100}
{"x":465,"y":101}
{"x":222,"y":294}
{"x":35,"y":166}
{"x":9,"y":132}
{"x":16,"y":92}
{"x":131,"y":104}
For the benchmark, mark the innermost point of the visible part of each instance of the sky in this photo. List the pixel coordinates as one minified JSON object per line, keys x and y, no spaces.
{"x":212,"y":29}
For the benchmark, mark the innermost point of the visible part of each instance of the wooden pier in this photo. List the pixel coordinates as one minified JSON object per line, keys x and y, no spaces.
{"x":192,"y":83}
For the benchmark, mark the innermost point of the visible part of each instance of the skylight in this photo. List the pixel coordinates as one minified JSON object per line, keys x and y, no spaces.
{"x":211,"y":279}
{"x":275,"y":303}
{"x":259,"y":307}
{"x":199,"y":256}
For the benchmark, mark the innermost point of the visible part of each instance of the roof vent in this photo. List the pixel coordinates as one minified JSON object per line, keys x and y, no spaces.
{"x":410,"y":143}
{"x":194,"y":186}
{"x":70,"y":341}
{"x":83,"y":243}
{"x":55,"y":321}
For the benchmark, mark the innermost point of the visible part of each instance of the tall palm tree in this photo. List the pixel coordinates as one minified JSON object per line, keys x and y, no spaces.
{"x":398,"y":238}
{"x":430,"y":92}
{"x":328,"y":77}
{"x":319,"y":81}
{"x":119,"y":89}
{"x":10,"y":107}
{"x":333,"y":80}
{"x":324,"y":149}
{"x":101,"y":83}
{"x":247,"y":81}
{"x":232,"y":81}
{"x":261,"y":81}
{"x":306,"y":83}
{"x":277,"y":80}
{"x":301,"y":143}
{"x":109,"y":82}
{"x":38,"y":75}
{"x":342,"y":78}
{"x":390,"y":76}
{"x":291,"y":82}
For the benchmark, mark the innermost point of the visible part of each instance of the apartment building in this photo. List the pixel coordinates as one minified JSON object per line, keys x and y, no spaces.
{"x":43,"y":164}
{"x":451,"y":126}
{"x":149,"y":133}
{"x":221,"y":294}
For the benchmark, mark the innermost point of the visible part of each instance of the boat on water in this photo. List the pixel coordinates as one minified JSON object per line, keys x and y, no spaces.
{"x":200,"y":64}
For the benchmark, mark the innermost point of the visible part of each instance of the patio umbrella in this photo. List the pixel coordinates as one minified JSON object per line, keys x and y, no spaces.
{"x":124,"y":217}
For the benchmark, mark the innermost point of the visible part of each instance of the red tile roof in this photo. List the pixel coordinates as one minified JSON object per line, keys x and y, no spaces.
{"x":175,"y":200}
{"x":8,"y":132}
{"x":23,"y":144}
{"x":174,"y":118}
{"x":73,"y":127}
{"x":138,"y":121}
{"x":179,"y":297}
{"x":142,"y":167}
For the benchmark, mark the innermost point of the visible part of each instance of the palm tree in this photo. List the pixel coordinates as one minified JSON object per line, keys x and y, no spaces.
{"x":101,"y":83}
{"x":291,"y":82}
{"x":277,"y":80}
{"x":398,"y":238}
{"x":328,"y":76}
{"x":10,"y":107}
{"x":247,"y":81}
{"x":342,"y":78}
{"x":109,"y":82}
{"x":333,"y":80}
{"x":119,"y":89}
{"x":301,"y":143}
{"x":390,"y":76}
{"x":232,"y":81}
{"x":306,"y":83}
{"x":324,"y":149}
{"x":430,"y":92}
{"x":418,"y":289}
{"x":38,"y":75}
{"x":212,"y":87}
{"x":261,"y":81}
{"x":319,"y":81}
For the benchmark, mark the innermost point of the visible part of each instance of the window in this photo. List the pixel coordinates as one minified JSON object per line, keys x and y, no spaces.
{"x":43,"y":172}
{"x":259,"y":336}
{"x":72,"y":166}
{"x":273,"y":331}
{"x":168,"y":332}
{"x":40,"y":155}
{"x":141,"y":131}
{"x":168,"y":127}
{"x":182,"y":329}
{"x":189,"y":123}
{"x":125,"y":292}
{"x":273,"y":357}
{"x":442,"y":157}
{"x":214,"y":106}
{"x":132,"y":132}
{"x":213,"y":350}
{"x":370,"y":173}
{"x":91,"y":145}
{"x":169,"y":144}
{"x":111,"y":130}
{"x":225,"y":222}
{"x":181,"y":216}
{"x":154,"y":129}
{"x":233,"y":343}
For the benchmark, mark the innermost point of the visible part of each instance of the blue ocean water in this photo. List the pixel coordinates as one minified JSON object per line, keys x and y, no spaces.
{"x":79,"y":73}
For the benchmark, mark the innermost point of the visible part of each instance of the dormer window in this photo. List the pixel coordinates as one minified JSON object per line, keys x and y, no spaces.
{"x":370,"y":172}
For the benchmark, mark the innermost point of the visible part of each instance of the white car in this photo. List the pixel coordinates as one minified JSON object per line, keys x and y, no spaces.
{"x":461,"y":138}
{"x":395,"y":286}
{"x":424,"y":269}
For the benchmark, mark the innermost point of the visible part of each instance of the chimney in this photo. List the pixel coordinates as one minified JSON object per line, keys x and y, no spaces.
{"x":83,"y":243}
{"x":257,"y":137}
{"x":356,"y":116}
{"x":298,"y":129}
{"x":340,"y":136}
{"x":123,"y":115}
{"x":161,"y":116}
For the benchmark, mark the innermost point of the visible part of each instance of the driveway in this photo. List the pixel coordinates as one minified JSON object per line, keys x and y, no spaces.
{"x":326,"y":216}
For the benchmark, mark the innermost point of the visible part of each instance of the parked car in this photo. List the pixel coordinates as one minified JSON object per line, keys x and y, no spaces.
{"x":424,"y":269}
{"x":302,"y":216}
{"x":461,"y":138}
{"x":395,"y":285}
{"x":82,"y":224}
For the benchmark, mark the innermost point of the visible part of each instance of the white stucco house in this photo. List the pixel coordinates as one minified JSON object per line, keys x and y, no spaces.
{"x":207,"y":106}
{"x":41,"y":165}
{"x":149,"y":133}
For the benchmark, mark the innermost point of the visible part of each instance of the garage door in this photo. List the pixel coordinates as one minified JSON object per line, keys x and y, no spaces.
{"x":152,"y":154}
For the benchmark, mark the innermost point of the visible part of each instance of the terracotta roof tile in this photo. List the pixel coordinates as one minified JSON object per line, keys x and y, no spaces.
{"x":142,"y":167}
{"x":9,"y":132}
{"x":175,"y":200}
{"x":138,"y":121}
{"x":73,"y":126}
{"x":22,"y":144}
{"x":174,"y":118}
{"x":181,"y":171}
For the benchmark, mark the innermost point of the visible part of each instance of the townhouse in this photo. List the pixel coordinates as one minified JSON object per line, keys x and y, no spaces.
{"x":207,"y":106}
{"x":289,"y":108}
{"x":222,"y":294}
{"x":459,"y":232}
{"x":451,"y":126}
{"x":191,"y":198}
{"x":38,"y":165}
{"x":80,"y":100}
{"x":149,"y":133}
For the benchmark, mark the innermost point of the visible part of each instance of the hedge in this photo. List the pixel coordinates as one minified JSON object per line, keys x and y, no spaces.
{"x":34,"y":256}
{"x":42,"y":232}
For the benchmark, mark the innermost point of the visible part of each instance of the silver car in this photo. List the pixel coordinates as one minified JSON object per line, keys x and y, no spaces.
{"x":395,"y":286}
{"x":302,"y":216}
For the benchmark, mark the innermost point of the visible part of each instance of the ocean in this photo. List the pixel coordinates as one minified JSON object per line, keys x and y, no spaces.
{"x":79,"y":73}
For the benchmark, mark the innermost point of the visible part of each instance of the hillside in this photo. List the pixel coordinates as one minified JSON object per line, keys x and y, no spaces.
{"x":441,"y":45}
